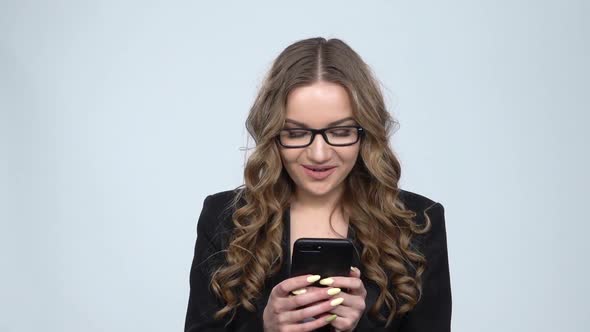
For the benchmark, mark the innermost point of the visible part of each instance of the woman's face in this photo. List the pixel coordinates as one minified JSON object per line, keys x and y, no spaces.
{"x":317,"y":106}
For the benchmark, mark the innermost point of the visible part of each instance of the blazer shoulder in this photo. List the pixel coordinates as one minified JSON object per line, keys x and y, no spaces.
{"x":414,"y":201}
{"x":217,"y":211}
{"x":222,"y":200}
{"x":433,"y":310}
{"x":422,"y":205}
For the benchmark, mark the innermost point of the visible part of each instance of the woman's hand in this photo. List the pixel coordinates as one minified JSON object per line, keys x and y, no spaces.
{"x":351,"y":310}
{"x":292,"y":302}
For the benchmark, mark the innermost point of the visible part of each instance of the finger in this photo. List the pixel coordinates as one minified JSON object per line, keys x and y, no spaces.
{"x":354,"y":285}
{"x":286,"y":286}
{"x":355,"y":302}
{"x":343,"y":323}
{"x":313,"y":296}
{"x":306,"y":290}
{"x":322,"y":320}
{"x":346,"y":315}
{"x":348,"y":312}
{"x":314,"y":310}
{"x":355,"y":272}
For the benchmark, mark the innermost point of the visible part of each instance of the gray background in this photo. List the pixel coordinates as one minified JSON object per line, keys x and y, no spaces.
{"x":118,"y":118}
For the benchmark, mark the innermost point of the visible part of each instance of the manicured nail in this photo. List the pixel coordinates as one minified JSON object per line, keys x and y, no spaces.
{"x":352,"y":268}
{"x":326,"y":281}
{"x":299,"y":291}
{"x":333,"y":291}
{"x":331,"y":318}
{"x":337,"y":301}
{"x":313,"y":278}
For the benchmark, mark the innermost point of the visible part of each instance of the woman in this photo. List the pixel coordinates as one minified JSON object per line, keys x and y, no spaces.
{"x":322,"y":167}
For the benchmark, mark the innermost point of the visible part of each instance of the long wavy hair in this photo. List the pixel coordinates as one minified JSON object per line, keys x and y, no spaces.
{"x":382,"y":225}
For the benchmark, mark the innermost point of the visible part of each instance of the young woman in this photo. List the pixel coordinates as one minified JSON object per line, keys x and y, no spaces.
{"x":322,"y":168}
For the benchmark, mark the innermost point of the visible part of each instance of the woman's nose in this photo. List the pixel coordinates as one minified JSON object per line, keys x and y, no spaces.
{"x":319,"y":150}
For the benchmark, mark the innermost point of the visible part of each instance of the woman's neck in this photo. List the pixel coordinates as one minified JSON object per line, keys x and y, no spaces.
{"x":305,"y":201}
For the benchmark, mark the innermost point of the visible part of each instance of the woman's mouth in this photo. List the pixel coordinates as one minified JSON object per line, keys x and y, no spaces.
{"x":318,"y":172}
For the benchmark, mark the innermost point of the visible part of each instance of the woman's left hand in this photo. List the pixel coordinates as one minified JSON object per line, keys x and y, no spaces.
{"x":352,"y":308}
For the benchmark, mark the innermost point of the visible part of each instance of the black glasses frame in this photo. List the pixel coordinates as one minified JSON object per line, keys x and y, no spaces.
{"x":322,"y":131}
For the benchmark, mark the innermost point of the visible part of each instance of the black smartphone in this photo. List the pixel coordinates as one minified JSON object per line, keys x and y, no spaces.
{"x":324,"y":256}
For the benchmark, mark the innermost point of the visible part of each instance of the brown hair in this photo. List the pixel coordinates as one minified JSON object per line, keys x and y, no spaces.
{"x":382,"y":225}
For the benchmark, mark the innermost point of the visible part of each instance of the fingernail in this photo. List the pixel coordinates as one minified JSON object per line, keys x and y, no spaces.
{"x":331,"y":318}
{"x":352,"y":268}
{"x":337,"y":301}
{"x":333,"y":291}
{"x":299,"y":291}
{"x":313,"y":278}
{"x":326,"y":281}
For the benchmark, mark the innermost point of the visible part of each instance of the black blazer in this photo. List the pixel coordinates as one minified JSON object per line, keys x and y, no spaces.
{"x":432,"y":313}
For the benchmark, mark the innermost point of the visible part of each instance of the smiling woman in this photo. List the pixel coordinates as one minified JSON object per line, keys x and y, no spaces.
{"x":322,"y":168}
{"x":321,"y":104}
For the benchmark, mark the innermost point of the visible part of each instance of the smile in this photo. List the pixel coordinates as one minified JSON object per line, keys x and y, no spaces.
{"x":317,"y":172}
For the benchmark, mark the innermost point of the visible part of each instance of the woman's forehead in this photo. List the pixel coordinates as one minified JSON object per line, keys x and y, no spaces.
{"x":321,"y":103}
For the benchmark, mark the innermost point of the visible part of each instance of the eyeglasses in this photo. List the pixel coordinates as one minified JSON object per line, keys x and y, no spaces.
{"x":335,"y":136}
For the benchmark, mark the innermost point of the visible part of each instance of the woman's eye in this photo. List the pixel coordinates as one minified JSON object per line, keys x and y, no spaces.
{"x":296,"y":133}
{"x":341,"y":132}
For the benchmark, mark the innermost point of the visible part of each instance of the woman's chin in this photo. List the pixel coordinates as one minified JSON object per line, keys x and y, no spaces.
{"x":319,"y":190}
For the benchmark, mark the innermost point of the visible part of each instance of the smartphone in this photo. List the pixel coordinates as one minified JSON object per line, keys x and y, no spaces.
{"x":324,"y":256}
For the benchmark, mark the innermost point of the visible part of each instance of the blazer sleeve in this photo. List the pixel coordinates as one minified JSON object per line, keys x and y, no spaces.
{"x":433,"y":310}
{"x":208,"y":255}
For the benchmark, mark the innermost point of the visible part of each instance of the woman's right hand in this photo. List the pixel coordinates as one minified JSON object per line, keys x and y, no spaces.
{"x":286,"y":312}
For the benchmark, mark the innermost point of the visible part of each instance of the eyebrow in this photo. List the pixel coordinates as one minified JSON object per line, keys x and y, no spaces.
{"x":329,"y":124}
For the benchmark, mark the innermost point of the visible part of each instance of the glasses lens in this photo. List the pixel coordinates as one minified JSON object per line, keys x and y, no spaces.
{"x":298,"y":137}
{"x":295,"y":137}
{"x":342,"y":135}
